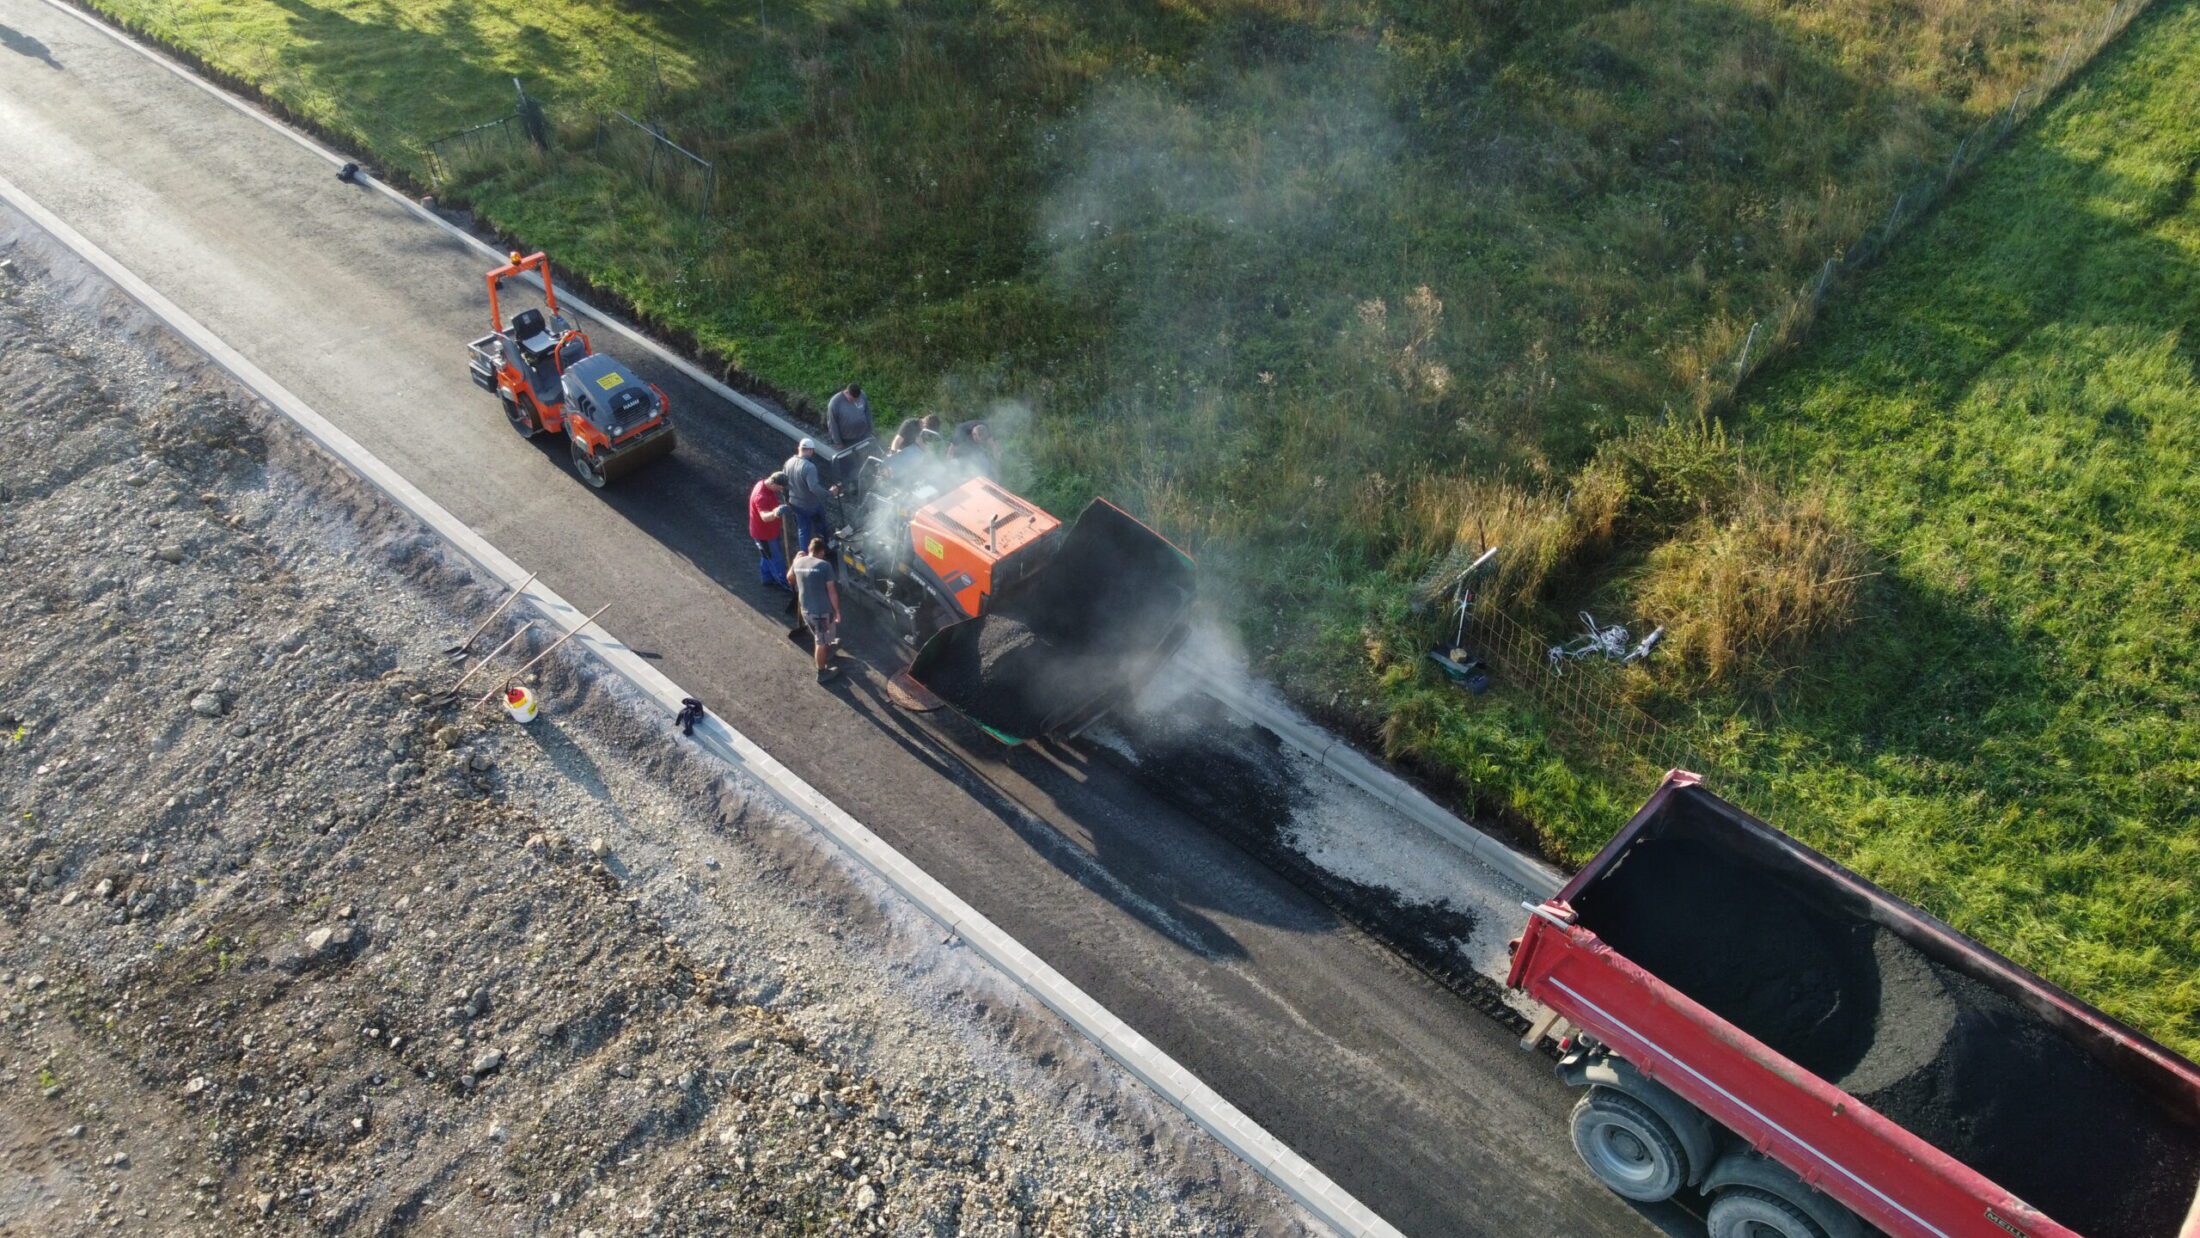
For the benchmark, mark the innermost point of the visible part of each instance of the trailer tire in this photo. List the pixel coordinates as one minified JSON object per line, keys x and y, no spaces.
{"x":1746,"y":1212}
{"x":1628,"y":1146}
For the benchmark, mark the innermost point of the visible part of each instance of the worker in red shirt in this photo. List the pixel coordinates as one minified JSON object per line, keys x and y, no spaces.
{"x":767,"y":503}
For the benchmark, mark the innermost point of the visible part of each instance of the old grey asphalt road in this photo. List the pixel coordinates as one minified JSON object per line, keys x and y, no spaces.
{"x":1419,"y":1106}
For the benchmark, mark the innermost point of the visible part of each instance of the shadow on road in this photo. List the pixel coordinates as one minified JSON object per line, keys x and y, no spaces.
{"x":24,"y":45}
{"x":1112,"y":839}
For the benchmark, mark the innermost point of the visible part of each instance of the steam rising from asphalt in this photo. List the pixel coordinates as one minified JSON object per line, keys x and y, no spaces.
{"x":932,"y":472}
{"x":1198,"y":215}
{"x":1212,"y":225}
{"x":1261,"y":156}
{"x":1212,"y":655}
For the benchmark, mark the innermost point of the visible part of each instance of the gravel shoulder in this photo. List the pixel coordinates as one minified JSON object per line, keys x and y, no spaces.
{"x":290,"y":945}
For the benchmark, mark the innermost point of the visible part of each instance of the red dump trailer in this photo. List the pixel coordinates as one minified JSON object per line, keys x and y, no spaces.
{"x":1756,"y":1024}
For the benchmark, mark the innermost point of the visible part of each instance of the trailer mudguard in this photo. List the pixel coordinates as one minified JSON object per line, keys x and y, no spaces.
{"x":1694,"y":1130}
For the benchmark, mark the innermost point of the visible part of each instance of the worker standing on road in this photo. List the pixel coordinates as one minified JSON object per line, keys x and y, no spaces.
{"x":812,"y":577}
{"x":847,"y":417}
{"x":806,"y":492}
{"x":767,"y":504}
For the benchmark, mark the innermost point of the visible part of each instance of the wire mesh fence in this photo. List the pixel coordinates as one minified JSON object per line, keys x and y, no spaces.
{"x":1768,"y":335}
{"x":1588,"y":696}
{"x":1587,"y":700}
{"x":643,"y":150}
{"x":639,"y":149}
{"x":475,"y":147}
{"x":1589,"y":716}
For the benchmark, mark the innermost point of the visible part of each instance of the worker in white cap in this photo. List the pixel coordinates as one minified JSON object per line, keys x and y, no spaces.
{"x":806,"y":492}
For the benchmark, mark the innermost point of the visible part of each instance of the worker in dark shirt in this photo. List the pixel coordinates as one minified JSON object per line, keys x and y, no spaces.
{"x":806,"y":491}
{"x":848,"y":417}
{"x":813,"y":580}
{"x":970,"y":445}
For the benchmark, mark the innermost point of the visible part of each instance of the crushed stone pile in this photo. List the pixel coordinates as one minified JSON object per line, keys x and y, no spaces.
{"x":287,"y":945}
{"x":1955,"y":1062}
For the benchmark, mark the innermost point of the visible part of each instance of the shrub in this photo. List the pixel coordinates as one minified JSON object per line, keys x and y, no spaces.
{"x":1658,"y":476}
{"x":1742,"y":590}
{"x":1640,"y":489}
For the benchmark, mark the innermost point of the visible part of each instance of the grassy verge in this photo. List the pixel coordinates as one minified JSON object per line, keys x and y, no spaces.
{"x":2005,"y":413}
{"x":1318,"y":287}
{"x":1199,"y":223}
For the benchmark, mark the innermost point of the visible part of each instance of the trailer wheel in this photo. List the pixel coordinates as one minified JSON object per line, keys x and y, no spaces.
{"x":1746,"y":1212}
{"x":586,"y":465}
{"x":1628,"y":1146}
{"x":522,"y":419}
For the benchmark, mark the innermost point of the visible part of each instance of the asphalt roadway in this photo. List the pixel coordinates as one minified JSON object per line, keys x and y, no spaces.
{"x":1421,"y":1107}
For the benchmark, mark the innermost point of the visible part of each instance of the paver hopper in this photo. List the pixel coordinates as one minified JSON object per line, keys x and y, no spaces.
{"x":1072,"y":639}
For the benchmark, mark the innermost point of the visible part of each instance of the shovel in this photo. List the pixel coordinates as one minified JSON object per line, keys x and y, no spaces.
{"x":461,"y":647}
{"x":452,"y":691}
{"x":531,"y":662}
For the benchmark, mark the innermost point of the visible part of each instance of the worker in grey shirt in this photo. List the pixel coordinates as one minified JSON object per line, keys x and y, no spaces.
{"x":848,"y":417}
{"x":813,"y":577}
{"x":806,"y":492}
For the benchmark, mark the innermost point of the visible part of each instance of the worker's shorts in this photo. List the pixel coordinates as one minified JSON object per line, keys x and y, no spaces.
{"x":823,"y":628}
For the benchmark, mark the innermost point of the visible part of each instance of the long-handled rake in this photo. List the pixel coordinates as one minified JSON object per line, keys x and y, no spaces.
{"x":452,"y":691}
{"x":532,"y":662}
{"x":459,"y":649}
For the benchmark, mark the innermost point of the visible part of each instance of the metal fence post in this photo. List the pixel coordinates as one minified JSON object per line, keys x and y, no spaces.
{"x":1742,"y":364}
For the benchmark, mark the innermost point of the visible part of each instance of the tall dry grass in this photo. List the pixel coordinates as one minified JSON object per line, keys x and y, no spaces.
{"x":1672,"y":523}
{"x":1743,"y":592}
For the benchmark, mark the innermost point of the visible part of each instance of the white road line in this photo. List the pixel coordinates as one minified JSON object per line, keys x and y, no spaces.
{"x":1264,"y":1152}
{"x":1326,"y":749}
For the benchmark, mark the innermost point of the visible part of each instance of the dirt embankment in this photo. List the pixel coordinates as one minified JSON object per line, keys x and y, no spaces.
{"x":290,"y":945}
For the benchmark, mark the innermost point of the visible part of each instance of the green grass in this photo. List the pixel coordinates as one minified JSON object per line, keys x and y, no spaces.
{"x":1126,"y":215}
{"x":1318,"y":287}
{"x":2008,"y":412}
